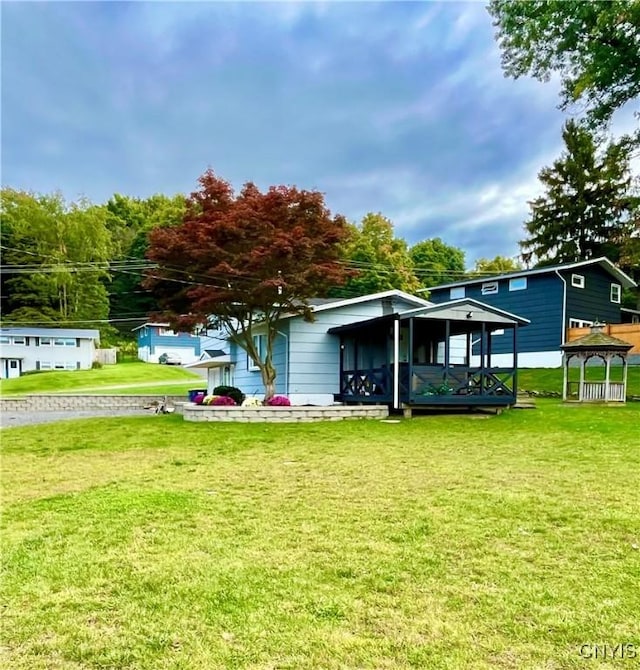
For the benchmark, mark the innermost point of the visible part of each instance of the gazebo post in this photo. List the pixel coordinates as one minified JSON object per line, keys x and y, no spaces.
{"x":607,"y":377}
{"x":581,"y":384}
{"x":565,"y":376}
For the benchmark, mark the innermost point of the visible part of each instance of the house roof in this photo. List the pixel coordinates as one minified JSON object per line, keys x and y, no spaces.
{"x":150,"y":323}
{"x":465,"y":310}
{"x":598,"y":341}
{"x":334,"y":303}
{"x":211,"y":358}
{"x":603,"y":262}
{"x":82,"y":333}
{"x":470,"y":306}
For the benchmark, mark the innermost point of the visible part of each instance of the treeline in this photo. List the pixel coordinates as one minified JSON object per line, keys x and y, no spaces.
{"x":80,"y":264}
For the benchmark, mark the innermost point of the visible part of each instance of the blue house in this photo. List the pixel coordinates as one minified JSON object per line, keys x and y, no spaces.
{"x":388,"y":347}
{"x":155,"y":339}
{"x":553,"y":299}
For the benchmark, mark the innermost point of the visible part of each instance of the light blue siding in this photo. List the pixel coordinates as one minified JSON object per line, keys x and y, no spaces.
{"x":315,"y":355}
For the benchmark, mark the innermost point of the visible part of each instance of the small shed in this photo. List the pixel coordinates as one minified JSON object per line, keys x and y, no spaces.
{"x":612,"y":353}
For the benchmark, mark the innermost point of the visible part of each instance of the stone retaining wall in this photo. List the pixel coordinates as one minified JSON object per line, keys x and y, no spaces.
{"x":193,"y":412}
{"x":60,"y":403}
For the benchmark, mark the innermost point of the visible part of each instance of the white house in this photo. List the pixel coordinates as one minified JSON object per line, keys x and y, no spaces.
{"x":24,"y":349}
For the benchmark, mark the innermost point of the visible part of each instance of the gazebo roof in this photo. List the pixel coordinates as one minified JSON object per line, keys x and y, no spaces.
{"x":597,"y":341}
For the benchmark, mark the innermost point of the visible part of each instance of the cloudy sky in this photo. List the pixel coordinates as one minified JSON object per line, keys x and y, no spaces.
{"x":395,"y":107}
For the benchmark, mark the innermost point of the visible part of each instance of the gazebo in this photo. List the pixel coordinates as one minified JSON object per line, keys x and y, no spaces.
{"x":593,"y":346}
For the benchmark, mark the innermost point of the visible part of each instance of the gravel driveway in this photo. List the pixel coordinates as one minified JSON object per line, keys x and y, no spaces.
{"x":11,"y":419}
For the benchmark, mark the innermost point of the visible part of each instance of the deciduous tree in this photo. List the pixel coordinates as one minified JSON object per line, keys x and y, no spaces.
{"x":594,"y":46}
{"x":437,"y":263}
{"x":243,"y":261}
{"x":55,"y":260}
{"x":381,"y":260}
{"x":494,"y":266}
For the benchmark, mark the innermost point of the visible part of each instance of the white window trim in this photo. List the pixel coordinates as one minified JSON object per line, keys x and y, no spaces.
{"x":615,"y":288}
{"x":457,"y":292}
{"x":64,"y":342}
{"x":19,"y":341}
{"x":577,"y":281}
{"x":489,"y":288}
{"x":580,"y":323}
{"x":518,"y":284}
{"x":259,"y":342}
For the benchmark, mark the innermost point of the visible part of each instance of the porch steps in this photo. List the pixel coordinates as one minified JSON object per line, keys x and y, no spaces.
{"x":524,"y":402}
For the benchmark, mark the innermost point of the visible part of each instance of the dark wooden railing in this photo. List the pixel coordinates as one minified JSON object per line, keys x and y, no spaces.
{"x":428,"y":384}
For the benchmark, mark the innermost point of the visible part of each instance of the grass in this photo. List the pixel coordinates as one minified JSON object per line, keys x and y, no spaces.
{"x":550,"y":379}
{"x":123,"y":378}
{"x":148,"y":378}
{"x":444,"y":542}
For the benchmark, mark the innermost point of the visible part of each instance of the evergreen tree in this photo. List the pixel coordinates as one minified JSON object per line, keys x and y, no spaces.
{"x":590,"y":205}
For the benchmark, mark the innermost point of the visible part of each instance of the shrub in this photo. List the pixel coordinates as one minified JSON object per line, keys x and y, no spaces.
{"x":278,"y":401}
{"x":223,"y":400}
{"x":230,"y":391}
{"x":96,"y":365}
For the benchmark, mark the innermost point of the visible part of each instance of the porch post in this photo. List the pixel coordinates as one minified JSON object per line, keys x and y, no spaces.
{"x":447,"y":348}
{"x":410,"y":358}
{"x":341,"y":383}
{"x":396,"y":364}
{"x":483,"y":334}
{"x":581,"y":387}
{"x":489,"y":341}
{"x":515,"y":360}
{"x":468,"y":361}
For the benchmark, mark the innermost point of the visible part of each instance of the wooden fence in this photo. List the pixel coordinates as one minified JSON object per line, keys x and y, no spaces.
{"x":629,"y":332}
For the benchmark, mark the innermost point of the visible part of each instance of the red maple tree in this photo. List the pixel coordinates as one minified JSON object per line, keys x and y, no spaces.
{"x":241,"y":262}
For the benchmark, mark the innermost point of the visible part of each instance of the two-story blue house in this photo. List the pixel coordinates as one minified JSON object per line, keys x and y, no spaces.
{"x":156,"y":339}
{"x":553,"y":298}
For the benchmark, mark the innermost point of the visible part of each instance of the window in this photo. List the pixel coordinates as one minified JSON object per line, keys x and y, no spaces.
{"x":260,"y":343}
{"x":456,"y":292}
{"x":45,"y":342}
{"x":490,"y":287}
{"x":19,"y":340}
{"x":64,"y":342}
{"x":518,"y":284}
{"x":577,"y":281}
{"x":4,"y":339}
{"x":45,"y":365}
{"x":62,"y":366}
{"x":616,"y":292}
{"x":579,"y":323}
{"x":13,"y":364}
{"x":167,"y":332}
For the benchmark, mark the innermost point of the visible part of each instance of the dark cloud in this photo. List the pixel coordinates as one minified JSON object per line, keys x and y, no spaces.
{"x":393,"y":107}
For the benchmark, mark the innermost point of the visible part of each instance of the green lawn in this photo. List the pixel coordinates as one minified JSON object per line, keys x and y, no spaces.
{"x":550,"y":379}
{"x":149,"y":378}
{"x":123,"y":378}
{"x":456,"y":541}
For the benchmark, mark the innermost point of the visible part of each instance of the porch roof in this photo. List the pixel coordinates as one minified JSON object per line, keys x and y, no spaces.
{"x":464,"y":311}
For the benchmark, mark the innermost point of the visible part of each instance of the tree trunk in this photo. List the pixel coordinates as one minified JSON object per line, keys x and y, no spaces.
{"x":268,"y":379}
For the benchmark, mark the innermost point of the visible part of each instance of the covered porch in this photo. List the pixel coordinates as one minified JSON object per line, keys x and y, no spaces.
{"x":429,"y":357}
